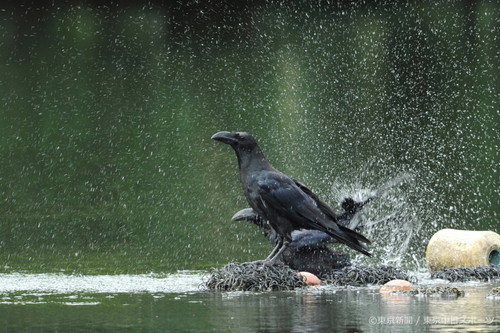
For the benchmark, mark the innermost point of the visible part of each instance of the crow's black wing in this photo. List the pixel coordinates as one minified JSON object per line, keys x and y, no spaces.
{"x":311,"y":238}
{"x":300,"y":238}
{"x":327,"y":210}
{"x":281,"y":195}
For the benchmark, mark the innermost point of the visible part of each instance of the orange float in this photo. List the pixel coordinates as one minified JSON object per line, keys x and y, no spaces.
{"x":396,"y":285}
{"x":309,"y":278}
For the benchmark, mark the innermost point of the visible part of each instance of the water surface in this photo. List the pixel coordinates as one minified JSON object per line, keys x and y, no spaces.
{"x":179,"y":302}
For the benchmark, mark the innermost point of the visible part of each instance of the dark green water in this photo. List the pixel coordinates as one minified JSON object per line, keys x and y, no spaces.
{"x":106,"y":113}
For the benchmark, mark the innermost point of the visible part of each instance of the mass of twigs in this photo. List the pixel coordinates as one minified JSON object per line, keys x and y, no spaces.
{"x":460,"y":274}
{"x":365,"y":275}
{"x":254,"y":277}
{"x":434,"y":291}
{"x":258,"y":277}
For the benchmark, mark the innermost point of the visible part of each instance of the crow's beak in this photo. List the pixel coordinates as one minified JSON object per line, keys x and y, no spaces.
{"x":224,"y":136}
{"x":246,"y":214}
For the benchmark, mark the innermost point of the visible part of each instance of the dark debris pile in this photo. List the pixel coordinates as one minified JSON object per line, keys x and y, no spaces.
{"x":495,"y":292}
{"x":435,"y":291}
{"x":460,"y":274}
{"x":364,"y":275}
{"x":258,"y":277}
{"x":254,"y":277}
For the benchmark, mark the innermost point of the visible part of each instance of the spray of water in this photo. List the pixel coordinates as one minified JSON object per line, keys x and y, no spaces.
{"x":393,"y":219}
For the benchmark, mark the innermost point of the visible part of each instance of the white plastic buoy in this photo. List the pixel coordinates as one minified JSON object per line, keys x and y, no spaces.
{"x":462,"y":248}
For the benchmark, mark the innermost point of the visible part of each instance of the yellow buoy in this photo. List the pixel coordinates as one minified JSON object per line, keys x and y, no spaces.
{"x":462,"y":248}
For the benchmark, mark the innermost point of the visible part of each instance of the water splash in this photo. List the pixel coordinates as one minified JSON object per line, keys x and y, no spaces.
{"x":394,"y":218}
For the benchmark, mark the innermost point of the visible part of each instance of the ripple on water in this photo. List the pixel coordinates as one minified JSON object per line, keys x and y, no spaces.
{"x":181,"y":282}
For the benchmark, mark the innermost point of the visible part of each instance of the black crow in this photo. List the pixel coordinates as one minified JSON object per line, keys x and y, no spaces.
{"x":349,"y":217}
{"x":308,"y":251}
{"x":285,"y":203}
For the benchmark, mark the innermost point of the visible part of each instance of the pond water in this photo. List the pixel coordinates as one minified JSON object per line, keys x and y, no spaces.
{"x":106,"y":114}
{"x":180,"y":303}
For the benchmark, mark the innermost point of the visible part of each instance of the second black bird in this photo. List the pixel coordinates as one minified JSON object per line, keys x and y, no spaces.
{"x":287,"y":204}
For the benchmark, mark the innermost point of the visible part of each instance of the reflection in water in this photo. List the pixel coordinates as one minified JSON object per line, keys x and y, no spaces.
{"x":296,"y":311}
{"x":312,"y":309}
{"x":351,"y":309}
{"x":475,"y":309}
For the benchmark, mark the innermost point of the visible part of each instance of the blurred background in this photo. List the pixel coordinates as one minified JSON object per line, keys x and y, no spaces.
{"x":107,"y":108}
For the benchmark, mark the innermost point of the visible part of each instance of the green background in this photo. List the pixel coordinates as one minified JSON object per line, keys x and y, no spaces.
{"x":106,"y":113}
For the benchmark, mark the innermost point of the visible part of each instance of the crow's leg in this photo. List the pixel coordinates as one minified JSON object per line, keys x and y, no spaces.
{"x":271,"y":259}
{"x":275,"y":253}
{"x":277,"y":248}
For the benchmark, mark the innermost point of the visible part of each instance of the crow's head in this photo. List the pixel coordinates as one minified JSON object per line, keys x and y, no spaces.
{"x":240,"y":141}
{"x":250,"y":157}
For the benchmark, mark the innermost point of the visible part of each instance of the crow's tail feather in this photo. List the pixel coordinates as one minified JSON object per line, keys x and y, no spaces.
{"x":353,"y":234}
{"x":350,"y":238}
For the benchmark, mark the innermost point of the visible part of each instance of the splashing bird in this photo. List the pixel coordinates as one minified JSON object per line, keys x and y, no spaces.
{"x":285,"y":203}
